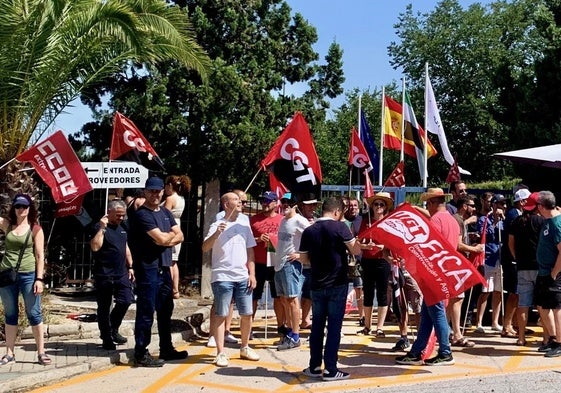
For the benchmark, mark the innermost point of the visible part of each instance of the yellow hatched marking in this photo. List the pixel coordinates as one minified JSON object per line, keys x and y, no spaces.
{"x":82,"y":378}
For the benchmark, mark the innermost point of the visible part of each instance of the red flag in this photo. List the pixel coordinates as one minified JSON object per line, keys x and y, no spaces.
{"x":440,"y":270}
{"x":128,"y":144}
{"x":454,"y":173}
{"x":293,"y":159}
{"x":397,"y":177}
{"x":57,"y":164}
{"x":276,"y":186}
{"x":478,"y":258}
{"x":69,"y":208}
{"x":358,"y":156}
{"x":368,"y":189}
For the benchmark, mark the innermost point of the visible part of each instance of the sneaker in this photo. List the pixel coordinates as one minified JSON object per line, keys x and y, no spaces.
{"x":440,"y":360}
{"x":401,"y":345}
{"x":248,"y":354}
{"x":288,"y":343}
{"x":211,"y":342}
{"x":108,"y":345}
{"x":335,"y":375}
{"x":221,"y":360}
{"x":173,"y":355}
{"x":118,"y":338}
{"x":148,"y":361}
{"x":547,"y":347}
{"x":479,"y":330}
{"x":554,"y":352}
{"x":409,"y":360}
{"x":230,"y":339}
{"x":497,"y":328}
{"x":315,"y":373}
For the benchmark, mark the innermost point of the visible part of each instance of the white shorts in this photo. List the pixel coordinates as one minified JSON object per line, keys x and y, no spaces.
{"x":493,"y":277}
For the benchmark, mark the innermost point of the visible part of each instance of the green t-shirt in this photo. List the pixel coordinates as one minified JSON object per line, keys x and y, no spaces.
{"x":550,"y":237}
{"x":13,"y":244}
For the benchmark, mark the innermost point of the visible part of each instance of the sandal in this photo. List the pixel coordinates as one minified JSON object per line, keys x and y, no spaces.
{"x":521,"y":343}
{"x":364,"y":331}
{"x":509,"y":334}
{"x":463,"y":342}
{"x":44,"y":359}
{"x":380,"y":333}
{"x":6,"y":359}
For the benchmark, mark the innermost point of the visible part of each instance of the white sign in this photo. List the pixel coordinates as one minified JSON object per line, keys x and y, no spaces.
{"x":122,"y":174}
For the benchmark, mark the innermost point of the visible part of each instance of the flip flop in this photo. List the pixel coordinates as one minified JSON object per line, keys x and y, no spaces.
{"x":6,"y":359}
{"x":463,"y":342}
{"x":505,"y":333}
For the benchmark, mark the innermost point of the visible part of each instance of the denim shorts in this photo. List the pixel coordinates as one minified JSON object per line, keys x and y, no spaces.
{"x":10,"y":293}
{"x":526,"y":287}
{"x":289,"y":279}
{"x":225,"y":291}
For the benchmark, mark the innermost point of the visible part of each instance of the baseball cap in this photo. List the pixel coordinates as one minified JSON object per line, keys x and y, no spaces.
{"x":154,"y":183}
{"x":531,"y":201}
{"x":269,"y":196}
{"x":21,"y":199}
{"x":497,"y":198}
{"x":521,"y":194}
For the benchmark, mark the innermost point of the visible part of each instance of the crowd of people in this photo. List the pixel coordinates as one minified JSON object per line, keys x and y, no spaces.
{"x":308,"y":260}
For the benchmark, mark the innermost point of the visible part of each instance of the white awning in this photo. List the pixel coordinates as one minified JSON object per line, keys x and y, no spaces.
{"x":547,"y":156}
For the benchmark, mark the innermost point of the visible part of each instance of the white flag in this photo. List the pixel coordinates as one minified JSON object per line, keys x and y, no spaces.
{"x":434,"y":125}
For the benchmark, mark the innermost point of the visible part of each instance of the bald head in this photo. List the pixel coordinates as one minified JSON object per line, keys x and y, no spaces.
{"x":231,"y":204}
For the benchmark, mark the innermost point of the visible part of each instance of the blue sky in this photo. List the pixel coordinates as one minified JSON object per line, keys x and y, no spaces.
{"x":363,"y":29}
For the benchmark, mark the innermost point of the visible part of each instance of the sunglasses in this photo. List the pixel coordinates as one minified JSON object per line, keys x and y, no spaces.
{"x":20,"y":207}
{"x":379,"y":204}
{"x":244,"y":202}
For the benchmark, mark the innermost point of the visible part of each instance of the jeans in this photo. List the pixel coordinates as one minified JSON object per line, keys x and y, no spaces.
{"x":9,"y":294}
{"x":433,"y":317}
{"x":154,"y":293}
{"x":108,"y":288}
{"x":328,"y":305}
{"x":225,"y":291}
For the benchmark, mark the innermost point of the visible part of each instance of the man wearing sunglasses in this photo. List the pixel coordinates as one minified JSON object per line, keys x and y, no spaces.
{"x":457,"y":188}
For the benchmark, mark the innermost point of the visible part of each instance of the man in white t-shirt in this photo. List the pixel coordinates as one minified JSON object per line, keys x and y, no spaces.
{"x":288,"y":270}
{"x":232,"y":275}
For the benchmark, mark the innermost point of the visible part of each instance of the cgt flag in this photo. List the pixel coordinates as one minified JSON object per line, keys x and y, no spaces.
{"x":128,"y":144}
{"x":57,"y":164}
{"x":293,"y":160}
{"x":441,"y":272}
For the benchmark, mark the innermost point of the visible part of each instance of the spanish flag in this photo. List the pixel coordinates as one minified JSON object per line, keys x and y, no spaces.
{"x":414,"y":134}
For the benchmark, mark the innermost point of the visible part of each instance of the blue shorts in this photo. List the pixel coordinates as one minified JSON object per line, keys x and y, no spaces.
{"x":289,"y":280}
{"x":10,"y":294}
{"x":225,"y":291}
{"x":526,"y":287}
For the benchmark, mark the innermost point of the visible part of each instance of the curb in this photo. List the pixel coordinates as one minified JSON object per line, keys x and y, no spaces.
{"x":85,"y":330}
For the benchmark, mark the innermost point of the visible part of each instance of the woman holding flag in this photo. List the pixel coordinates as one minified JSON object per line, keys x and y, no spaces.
{"x":375,"y":269}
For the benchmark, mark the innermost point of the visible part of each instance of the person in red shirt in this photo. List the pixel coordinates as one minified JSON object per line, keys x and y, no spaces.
{"x":265,"y":228}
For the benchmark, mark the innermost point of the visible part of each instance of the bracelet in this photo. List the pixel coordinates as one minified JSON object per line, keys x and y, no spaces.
{"x":39,"y":279}
{"x":130,"y":268}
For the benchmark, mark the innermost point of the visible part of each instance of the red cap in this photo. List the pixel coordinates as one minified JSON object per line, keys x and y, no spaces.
{"x":531,"y":202}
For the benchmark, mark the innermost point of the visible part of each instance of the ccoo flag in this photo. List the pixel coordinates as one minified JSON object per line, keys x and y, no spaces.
{"x":128,"y":144}
{"x":57,"y":164}
{"x":293,"y":160}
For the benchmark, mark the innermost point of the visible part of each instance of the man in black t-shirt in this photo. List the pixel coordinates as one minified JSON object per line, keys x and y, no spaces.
{"x":113,"y":273}
{"x":153,"y":233}
{"x":324,"y":246}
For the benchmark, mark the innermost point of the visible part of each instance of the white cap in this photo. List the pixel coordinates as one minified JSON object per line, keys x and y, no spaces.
{"x":521,"y":195}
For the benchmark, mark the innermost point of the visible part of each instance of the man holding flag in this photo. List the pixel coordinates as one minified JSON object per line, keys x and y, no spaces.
{"x":434,"y":316}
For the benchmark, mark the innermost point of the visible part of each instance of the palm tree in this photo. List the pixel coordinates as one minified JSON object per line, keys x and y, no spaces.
{"x":51,"y":50}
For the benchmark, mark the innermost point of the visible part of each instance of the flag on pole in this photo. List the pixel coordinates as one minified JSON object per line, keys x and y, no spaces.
{"x":358,"y":156}
{"x":128,"y":144}
{"x":368,"y":189}
{"x":57,"y":164}
{"x":369,"y":144}
{"x":434,"y":124}
{"x":454,"y":173}
{"x":293,"y":160}
{"x":439,"y":269}
{"x":393,"y":114}
{"x":397,"y":177}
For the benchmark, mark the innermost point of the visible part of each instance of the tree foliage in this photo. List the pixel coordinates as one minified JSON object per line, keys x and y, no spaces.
{"x":51,"y":50}
{"x":222,"y":129}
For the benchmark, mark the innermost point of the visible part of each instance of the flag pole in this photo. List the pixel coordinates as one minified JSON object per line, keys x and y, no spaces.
{"x":359,"y":122}
{"x":252,"y":180}
{"x":426,"y":138}
{"x":7,"y":163}
{"x":401,"y":155}
{"x":382,"y":121}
